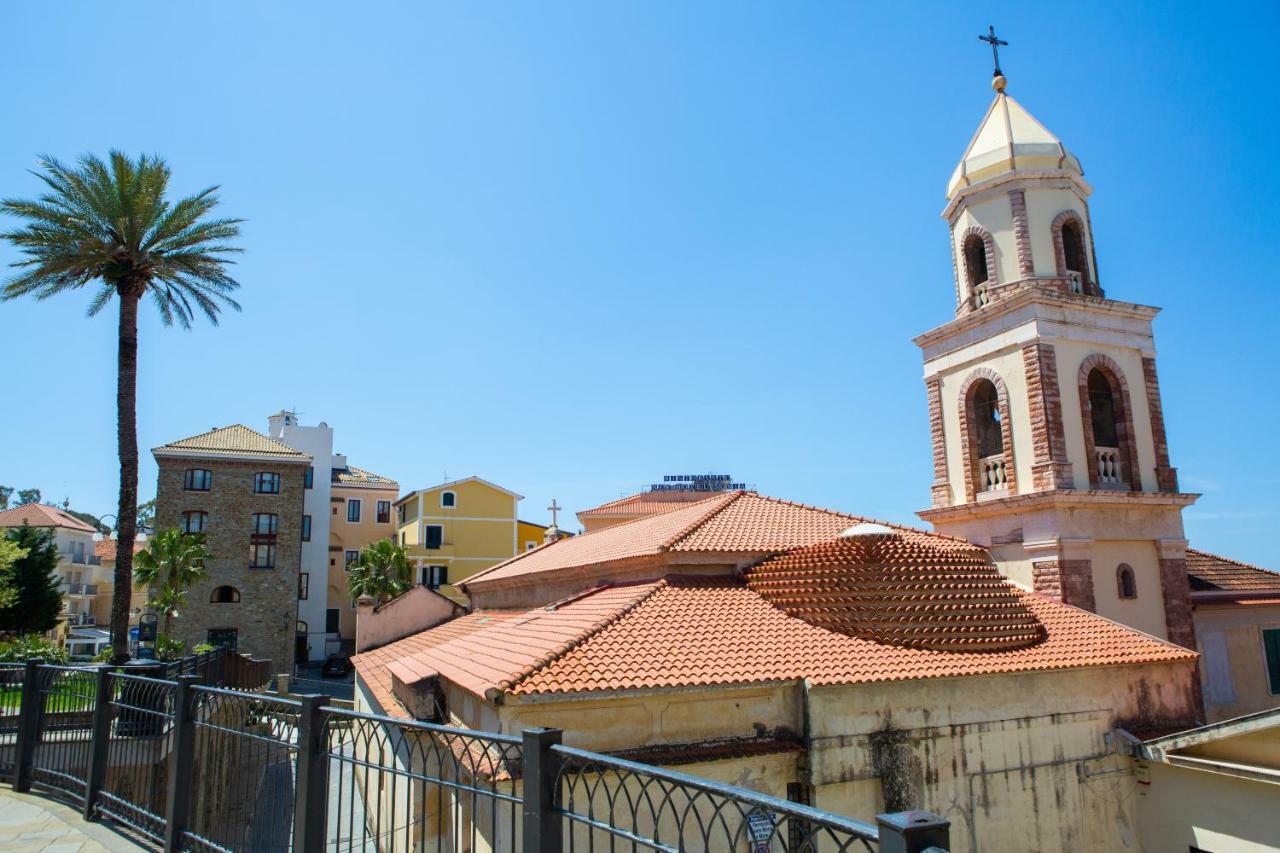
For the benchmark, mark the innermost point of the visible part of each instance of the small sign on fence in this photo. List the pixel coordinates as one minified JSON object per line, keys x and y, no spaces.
{"x":760,"y":825}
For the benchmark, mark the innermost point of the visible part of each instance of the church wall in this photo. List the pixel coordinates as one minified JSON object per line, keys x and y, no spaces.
{"x":1071,"y":354}
{"x":1043,"y":206}
{"x":983,"y":752}
{"x":630,"y":720}
{"x":1146,"y":612}
{"x":994,"y":214}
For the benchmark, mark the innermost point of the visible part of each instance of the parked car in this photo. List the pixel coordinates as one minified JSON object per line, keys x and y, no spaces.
{"x":336,"y":666}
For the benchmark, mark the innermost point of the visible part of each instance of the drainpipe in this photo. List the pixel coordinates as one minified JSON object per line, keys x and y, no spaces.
{"x":806,"y":740}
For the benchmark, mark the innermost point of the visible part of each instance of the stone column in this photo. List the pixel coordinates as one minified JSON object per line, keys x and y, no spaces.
{"x":1063,"y":569}
{"x":941,"y":488}
{"x":1176,"y":588}
{"x":1050,"y":468}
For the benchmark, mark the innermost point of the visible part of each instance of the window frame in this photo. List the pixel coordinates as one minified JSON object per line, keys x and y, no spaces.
{"x":306,"y":527}
{"x":233,"y":632}
{"x":1123,"y":571}
{"x":189,"y":480}
{"x":450,"y":493}
{"x":263,"y":542}
{"x":235,"y":594}
{"x":304,"y":585}
{"x":349,"y":558}
{"x":309,"y":478}
{"x":354,"y":504}
{"x":333,"y":615}
{"x":259,"y":482}
{"x":1270,"y":665}
{"x":426,"y":537}
{"x":185,"y":519}
{"x":434,"y":576}
{"x":382,"y":512}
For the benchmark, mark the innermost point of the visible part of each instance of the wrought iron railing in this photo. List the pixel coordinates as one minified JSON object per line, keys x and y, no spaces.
{"x":190,"y":766}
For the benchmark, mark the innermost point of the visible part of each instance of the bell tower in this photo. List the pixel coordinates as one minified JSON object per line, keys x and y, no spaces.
{"x":1048,"y":437}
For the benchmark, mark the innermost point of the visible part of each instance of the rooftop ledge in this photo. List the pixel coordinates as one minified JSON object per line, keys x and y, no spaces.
{"x":1032,"y":294}
{"x":1058,"y":497}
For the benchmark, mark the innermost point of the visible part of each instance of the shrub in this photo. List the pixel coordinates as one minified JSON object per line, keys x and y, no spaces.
{"x":32,"y":646}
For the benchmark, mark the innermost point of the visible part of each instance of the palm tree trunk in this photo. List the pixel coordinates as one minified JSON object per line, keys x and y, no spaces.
{"x":127,"y":440}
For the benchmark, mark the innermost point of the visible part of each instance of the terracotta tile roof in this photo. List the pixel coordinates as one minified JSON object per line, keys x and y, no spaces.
{"x":1210,"y":572}
{"x":646,"y":503}
{"x":233,"y":441}
{"x":40,"y":515}
{"x":489,"y":650}
{"x":900,"y":590}
{"x":715,"y":631}
{"x":737,"y":524}
{"x":688,"y":632}
{"x":353,"y":476}
{"x":105,"y":549}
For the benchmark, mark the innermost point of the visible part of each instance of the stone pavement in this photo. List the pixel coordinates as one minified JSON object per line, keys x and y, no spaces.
{"x":30,"y":823}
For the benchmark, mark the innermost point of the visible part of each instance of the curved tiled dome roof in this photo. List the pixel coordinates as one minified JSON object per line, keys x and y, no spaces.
{"x":919,"y":592}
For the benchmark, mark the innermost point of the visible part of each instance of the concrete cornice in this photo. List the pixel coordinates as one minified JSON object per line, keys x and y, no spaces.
{"x":1024,"y":179}
{"x":1058,"y":498}
{"x":1033,"y":297}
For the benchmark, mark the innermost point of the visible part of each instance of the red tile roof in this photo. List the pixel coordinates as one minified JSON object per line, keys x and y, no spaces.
{"x":905,"y":591}
{"x":105,"y":549}
{"x":1210,"y":572}
{"x":688,"y":632}
{"x":645,"y":503}
{"x":40,"y":515}
{"x":737,"y":524}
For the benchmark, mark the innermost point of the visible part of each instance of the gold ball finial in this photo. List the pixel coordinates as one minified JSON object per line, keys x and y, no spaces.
{"x":998,"y":82}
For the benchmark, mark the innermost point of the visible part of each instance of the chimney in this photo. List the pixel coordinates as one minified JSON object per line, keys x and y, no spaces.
{"x":364,"y":613}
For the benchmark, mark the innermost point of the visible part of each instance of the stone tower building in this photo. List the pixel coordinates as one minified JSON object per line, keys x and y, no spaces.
{"x":1049,"y":444}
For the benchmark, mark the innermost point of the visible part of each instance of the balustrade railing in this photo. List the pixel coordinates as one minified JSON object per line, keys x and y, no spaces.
{"x":980,"y":295}
{"x":187,"y":766}
{"x":1108,"y":463}
{"x":992,"y":474}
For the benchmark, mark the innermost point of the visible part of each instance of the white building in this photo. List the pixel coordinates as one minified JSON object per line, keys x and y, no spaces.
{"x":76,"y":560}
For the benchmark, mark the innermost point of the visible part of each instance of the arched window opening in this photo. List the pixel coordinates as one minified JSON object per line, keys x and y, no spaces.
{"x":225,"y":595}
{"x":448,"y":499}
{"x":975,"y":264}
{"x":986,"y":436}
{"x":1126,"y":584}
{"x":1104,"y":417}
{"x":1073,"y":255}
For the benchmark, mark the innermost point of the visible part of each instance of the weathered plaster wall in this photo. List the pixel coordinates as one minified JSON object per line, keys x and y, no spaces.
{"x":1146,"y":612}
{"x":984,"y":753}
{"x":1181,"y":809}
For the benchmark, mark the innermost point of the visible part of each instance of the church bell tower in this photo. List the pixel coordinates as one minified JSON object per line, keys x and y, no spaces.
{"x":1048,"y":438}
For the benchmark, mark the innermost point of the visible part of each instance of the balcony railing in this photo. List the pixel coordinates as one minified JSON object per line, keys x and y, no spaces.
{"x":993,"y":476}
{"x":70,"y":588}
{"x":980,"y":295}
{"x":74,"y":619}
{"x":1107,"y":460}
{"x":196,"y":767}
{"x":1075,"y":282}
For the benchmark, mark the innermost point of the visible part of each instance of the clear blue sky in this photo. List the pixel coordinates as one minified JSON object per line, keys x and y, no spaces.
{"x":572,"y":247}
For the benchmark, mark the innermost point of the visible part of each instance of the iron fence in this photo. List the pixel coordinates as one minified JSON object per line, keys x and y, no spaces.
{"x":196,"y":767}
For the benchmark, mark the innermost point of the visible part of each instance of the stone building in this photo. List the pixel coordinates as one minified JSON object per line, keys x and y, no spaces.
{"x":244,"y":491}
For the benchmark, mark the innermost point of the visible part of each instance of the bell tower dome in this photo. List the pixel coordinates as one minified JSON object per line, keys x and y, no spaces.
{"x":1018,"y":210}
{"x":1048,"y":434}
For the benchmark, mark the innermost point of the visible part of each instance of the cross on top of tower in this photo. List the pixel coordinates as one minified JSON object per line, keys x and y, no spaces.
{"x":996,"y":43}
{"x":554,"y":510}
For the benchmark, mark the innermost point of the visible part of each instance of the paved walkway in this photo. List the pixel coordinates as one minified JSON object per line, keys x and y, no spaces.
{"x":30,"y":823}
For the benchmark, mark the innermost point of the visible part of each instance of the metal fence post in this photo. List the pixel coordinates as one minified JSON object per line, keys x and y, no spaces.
{"x":543,"y":828}
{"x":99,"y":741}
{"x":311,"y":791}
{"x":28,"y":727}
{"x":178,"y":806}
{"x":913,"y":832}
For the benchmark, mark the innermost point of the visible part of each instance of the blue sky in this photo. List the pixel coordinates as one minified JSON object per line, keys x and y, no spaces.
{"x":571,"y":247}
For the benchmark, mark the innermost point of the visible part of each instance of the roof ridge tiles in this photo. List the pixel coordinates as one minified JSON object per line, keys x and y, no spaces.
{"x":508,"y":684}
{"x":723,"y":502}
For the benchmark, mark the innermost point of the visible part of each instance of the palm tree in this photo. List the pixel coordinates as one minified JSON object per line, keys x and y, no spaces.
{"x":381,"y":572}
{"x":110,"y":223}
{"x":173,"y":563}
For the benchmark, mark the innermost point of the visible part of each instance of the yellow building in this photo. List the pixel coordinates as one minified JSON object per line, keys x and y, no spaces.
{"x":455,"y":529}
{"x":361,"y":513}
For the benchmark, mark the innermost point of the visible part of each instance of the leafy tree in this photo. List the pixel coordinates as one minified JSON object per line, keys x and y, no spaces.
{"x":32,"y":646}
{"x":28,"y":496}
{"x":37,"y":601}
{"x":10,"y":553}
{"x":110,"y":223}
{"x":172,"y":563}
{"x":381,"y":572}
{"x":5,"y":493}
{"x":147,"y":513}
{"x":91,"y":520}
